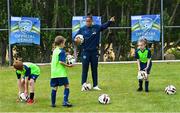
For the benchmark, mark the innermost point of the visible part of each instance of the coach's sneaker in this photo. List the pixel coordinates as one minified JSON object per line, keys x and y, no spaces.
{"x":96,"y":88}
{"x":83,"y":89}
{"x":67,"y":104}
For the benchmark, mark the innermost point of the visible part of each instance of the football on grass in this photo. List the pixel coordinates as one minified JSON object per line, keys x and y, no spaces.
{"x":104,"y":99}
{"x":23,"y":97}
{"x":170,"y":90}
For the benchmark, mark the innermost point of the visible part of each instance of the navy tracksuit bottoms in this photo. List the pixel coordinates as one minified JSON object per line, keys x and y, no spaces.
{"x":90,"y":57}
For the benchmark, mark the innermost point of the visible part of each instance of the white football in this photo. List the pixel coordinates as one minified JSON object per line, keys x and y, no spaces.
{"x":23,"y":98}
{"x":80,"y":37}
{"x":170,"y":90}
{"x":70,"y":59}
{"x":104,"y":99}
{"x":142,"y":75}
{"x":86,"y":87}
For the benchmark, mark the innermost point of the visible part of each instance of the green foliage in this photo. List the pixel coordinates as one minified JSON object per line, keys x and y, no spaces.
{"x":58,"y":13}
{"x":175,"y":52}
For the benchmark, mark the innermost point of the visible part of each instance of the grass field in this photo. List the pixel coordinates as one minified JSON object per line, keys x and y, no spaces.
{"x":117,"y":80}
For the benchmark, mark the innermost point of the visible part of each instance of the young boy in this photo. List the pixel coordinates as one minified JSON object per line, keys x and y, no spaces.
{"x":30,"y":73}
{"x":143,"y":56}
{"x":59,"y":72}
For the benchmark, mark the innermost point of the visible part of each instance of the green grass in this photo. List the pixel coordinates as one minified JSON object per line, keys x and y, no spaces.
{"x":117,"y":80}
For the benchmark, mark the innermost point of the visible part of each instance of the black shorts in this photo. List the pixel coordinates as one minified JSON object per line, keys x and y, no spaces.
{"x":143,"y":66}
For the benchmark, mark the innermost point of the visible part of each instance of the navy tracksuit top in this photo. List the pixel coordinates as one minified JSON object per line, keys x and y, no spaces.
{"x":92,"y":36}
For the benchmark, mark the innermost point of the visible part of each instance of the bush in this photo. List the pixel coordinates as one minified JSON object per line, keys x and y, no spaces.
{"x":174,"y":51}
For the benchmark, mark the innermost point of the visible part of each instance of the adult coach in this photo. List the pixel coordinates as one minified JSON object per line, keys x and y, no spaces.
{"x":89,"y":47}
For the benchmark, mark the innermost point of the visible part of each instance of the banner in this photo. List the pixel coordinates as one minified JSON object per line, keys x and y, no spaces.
{"x":80,"y":21}
{"x":147,"y":26}
{"x":25,"y":30}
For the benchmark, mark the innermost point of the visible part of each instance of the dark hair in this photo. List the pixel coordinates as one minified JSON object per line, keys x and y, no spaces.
{"x":59,"y":40}
{"x":89,"y":15}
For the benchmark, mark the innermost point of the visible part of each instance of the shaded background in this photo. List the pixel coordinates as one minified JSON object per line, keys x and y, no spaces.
{"x":56,"y":16}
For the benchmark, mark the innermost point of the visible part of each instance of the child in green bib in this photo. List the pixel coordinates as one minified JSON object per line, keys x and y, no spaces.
{"x":143,"y":56}
{"x":30,"y":73}
{"x":59,"y":72}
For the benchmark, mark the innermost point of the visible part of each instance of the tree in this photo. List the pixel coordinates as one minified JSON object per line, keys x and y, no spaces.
{"x":58,"y":13}
{"x":3,"y":34}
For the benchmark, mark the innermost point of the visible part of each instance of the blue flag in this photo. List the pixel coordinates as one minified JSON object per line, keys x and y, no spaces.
{"x":147,"y":26}
{"x":25,"y":30}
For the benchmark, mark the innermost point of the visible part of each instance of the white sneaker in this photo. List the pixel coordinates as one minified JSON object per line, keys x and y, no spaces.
{"x":96,"y":88}
{"x":82,"y":89}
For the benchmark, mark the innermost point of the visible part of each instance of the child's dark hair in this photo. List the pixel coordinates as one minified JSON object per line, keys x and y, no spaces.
{"x":89,"y":15}
{"x":59,"y":40}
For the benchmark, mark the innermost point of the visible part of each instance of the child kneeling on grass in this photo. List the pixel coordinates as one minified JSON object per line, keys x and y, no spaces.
{"x":143,"y":56}
{"x":59,"y":72}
